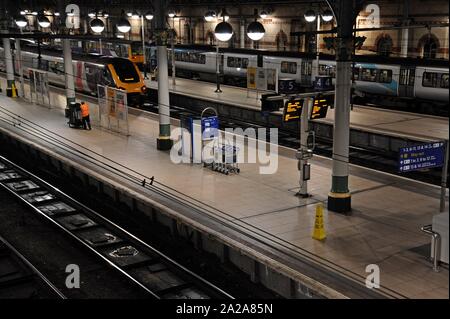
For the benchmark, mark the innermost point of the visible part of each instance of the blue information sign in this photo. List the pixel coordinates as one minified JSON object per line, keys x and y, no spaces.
{"x":210,"y":127}
{"x":423,"y":156}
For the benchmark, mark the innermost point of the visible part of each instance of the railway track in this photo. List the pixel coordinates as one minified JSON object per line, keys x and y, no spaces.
{"x":20,"y":279}
{"x":158,"y":276}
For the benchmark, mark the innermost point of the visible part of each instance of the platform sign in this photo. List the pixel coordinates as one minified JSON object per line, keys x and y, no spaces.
{"x":321,"y":106}
{"x":422,"y":156}
{"x":292,"y":110}
{"x":251,"y":78}
{"x":210,"y":128}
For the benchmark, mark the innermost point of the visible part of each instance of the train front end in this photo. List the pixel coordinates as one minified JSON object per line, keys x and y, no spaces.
{"x":127,"y":77}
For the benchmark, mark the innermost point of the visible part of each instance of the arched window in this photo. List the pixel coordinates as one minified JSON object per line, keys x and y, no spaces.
{"x":430,"y":48}
{"x":384,"y":45}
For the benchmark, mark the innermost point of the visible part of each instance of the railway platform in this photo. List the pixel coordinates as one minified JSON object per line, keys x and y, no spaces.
{"x":250,"y":220}
{"x":395,"y":124}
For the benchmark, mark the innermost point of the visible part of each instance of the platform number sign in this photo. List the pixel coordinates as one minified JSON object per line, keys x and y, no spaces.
{"x":320,"y":107}
{"x":422,"y":156}
{"x":292,"y":110}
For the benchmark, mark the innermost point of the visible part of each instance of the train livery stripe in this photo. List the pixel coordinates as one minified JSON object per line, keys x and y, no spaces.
{"x":79,"y":76}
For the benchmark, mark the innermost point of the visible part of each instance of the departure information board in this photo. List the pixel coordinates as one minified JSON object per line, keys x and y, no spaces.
{"x":321,"y":106}
{"x":292,"y":110}
{"x":422,"y":156}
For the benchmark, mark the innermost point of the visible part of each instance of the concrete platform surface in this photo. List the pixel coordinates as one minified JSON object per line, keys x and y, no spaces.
{"x":384,"y":228}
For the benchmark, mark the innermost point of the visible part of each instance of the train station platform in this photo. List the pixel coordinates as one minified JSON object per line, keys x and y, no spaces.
{"x":363,"y":118}
{"x":257,"y":216}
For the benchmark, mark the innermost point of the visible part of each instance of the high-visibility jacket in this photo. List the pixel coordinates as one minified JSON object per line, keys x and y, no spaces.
{"x":84,"y":110}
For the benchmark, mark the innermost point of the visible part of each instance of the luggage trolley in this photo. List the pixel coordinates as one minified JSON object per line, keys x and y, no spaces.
{"x":74,"y":115}
{"x":225,"y":159}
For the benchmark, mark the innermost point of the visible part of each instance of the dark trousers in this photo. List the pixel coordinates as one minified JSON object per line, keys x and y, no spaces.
{"x":87,"y":123}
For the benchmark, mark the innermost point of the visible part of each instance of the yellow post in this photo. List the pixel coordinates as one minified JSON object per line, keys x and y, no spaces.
{"x":319,"y":227}
{"x":14,"y":90}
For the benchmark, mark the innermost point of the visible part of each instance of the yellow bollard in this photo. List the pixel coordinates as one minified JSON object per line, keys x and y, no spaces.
{"x":14,"y":90}
{"x":319,"y":227}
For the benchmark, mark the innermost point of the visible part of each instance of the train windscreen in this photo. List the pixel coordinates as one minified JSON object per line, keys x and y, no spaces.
{"x":125,"y":70}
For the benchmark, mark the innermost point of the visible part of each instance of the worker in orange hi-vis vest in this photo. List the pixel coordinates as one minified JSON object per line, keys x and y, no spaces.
{"x":85,"y":116}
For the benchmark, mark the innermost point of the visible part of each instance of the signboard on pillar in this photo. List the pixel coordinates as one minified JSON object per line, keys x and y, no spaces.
{"x":292,"y":110}
{"x":424,"y":156}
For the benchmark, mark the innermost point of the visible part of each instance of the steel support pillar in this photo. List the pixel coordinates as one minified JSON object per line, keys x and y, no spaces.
{"x":20,"y":65}
{"x":164,"y":142}
{"x":11,"y":89}
{"x":68,"y":70}
{"x":339,"y":198}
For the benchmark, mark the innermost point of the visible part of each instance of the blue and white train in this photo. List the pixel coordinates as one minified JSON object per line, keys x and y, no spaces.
{"x":415,"y":84}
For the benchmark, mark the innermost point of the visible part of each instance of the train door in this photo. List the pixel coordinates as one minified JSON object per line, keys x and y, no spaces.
{"x":406,"y":82}
{"x":306,"y":73}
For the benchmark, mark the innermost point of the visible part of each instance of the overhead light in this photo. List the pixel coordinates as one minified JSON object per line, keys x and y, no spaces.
{"x":310,"y":16}
{"x":135,"y":15}
{"x":263,"y":14}
{"x":223,"y":31}
{"x":21,"y":21}
{"x":91,"y":14}
{"x":120,"y":36}
{"x":70,"y":13}
{"x":327,"y":15}
{"x":210,"y":16}
{"x":57,"y":14}
{"x":255,"y":31}
{"x":123,"y":25}
{"x":97,"y":25}
{"x":149,"y":15}
{"x":171,"y":13}
{"x":35,"y":13}
{"x":105,"y":14}
{"x":129,"y":14}
{"x":43,"y":21}
{"x":224,"y":15}
{"x":22,"y":12}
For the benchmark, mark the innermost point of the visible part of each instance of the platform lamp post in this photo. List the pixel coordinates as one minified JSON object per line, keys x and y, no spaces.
{"x":149,"y":17}
{"x":21,"y":22}
{"x":11,"y":90}
{"x":123,"y":25}
{"x":310,"y":17}
{"x":98,"y":26}
{"x":255,"y":30}
{"x":172,"y":14}
{"x":223,"y":33}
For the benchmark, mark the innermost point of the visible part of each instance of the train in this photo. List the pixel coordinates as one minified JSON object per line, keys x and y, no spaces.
{"x":417,"y":85}
{"x":89,"y":70}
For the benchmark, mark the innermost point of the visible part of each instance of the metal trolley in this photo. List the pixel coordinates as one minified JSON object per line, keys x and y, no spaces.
{"x":225,"y":159}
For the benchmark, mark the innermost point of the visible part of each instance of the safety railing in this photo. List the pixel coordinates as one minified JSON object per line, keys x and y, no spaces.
{"x":436,"y":245}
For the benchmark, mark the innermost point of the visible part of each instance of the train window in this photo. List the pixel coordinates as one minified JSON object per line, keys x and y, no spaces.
{"x":329,"y":70}
{"x":404,"y":77}
{"x":233,"y":62}
{"x":444,"y":81}
{"x":369,"y":75}
{"x":429,"y":79}
{"x":356,"y":72}
{"x":385,"y":76}
{"x":188,"y":57}
{"x":125,"y":71}
{"x":289,"y":67}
